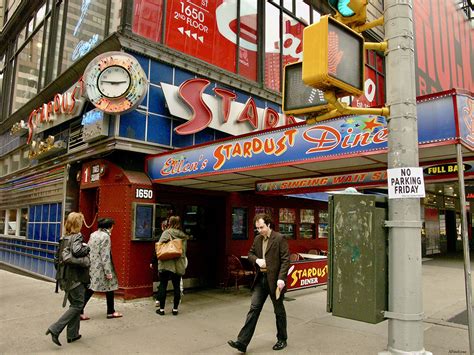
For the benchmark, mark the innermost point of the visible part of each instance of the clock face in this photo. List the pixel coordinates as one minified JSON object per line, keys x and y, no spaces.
{"x":115,"y":82}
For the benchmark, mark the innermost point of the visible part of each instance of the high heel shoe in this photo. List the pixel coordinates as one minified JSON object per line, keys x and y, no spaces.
{"x":54,"y":337}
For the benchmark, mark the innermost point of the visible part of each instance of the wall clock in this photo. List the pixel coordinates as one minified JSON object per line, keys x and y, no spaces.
{"x":115,"y":82}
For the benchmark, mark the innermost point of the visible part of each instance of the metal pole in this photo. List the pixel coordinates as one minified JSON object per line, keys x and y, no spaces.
{"x":405,"y":301}
{"x":465,"y":246}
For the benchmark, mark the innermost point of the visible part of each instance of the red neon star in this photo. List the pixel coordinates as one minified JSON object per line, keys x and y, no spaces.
{"x":372,"y":124}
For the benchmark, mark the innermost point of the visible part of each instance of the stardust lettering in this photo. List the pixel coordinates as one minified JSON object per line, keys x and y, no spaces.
{"x":308,"y":273}
{"x":269,"y":146}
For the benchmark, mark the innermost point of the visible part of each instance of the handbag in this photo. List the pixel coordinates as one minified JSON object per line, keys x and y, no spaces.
{"x":68,"y":258}
{"x":170,"y":250}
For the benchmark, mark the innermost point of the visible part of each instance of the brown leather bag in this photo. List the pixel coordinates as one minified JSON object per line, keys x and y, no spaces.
{"x":172,"y":249}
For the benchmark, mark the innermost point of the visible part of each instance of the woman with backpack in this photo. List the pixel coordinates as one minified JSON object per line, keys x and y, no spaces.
{"x":72,"y":263}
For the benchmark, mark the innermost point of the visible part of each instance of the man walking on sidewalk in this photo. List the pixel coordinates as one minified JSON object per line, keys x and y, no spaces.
{"x":270,"y":253}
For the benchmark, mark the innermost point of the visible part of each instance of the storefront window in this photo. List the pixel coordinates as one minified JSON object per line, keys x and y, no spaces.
{"x":147,"y":19}
{"x":12,"y":225}
{"x":239,"y":224}
{"x":287,"y":220}
{"x":272,"y":47}
{"x":44,"y":222}
{"x":28,"y":71}
{"x":2,"y":221}
{"x":323,"y":224}
{"x":307,"y":224}
{"x":208,"y":30}
{"x":143,"y":222}
{"x":85,"y":28}
{"x":194,"y":222}
{"x":23,"y":221}
{"x":162,"y":213}
{"x":248,"y":39}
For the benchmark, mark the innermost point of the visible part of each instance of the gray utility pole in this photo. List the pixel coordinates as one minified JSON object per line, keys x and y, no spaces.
{"x":405,"y":299}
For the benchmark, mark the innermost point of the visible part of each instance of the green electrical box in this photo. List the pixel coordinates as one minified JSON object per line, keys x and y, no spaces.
{"x":358,"y":277}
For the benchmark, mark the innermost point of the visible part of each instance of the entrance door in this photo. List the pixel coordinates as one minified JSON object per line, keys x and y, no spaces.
{"x":202,"y":218}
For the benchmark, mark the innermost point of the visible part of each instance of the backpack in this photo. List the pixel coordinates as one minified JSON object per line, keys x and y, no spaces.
{"x":60,"y":265}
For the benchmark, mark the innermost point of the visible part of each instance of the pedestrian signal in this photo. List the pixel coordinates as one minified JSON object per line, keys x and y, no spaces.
{"x":299,"y":98}
{"x":333,"y":58}
{"x":351,"y":13}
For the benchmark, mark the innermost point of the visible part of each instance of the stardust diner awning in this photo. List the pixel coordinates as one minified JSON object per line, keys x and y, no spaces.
{"x":342,"y":145}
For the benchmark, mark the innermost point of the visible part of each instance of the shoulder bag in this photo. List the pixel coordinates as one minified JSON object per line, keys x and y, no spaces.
{"x":172,"y":249}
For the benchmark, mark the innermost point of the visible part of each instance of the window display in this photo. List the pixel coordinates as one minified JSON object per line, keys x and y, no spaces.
{"x":323,"y":224}
{"x":143,"y":222}
{"x":239,"y":224}
{"x":307,"y":224}
{"x":287,"y":220}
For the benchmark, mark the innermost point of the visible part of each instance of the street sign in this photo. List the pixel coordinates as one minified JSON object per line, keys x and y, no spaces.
{"x":405,"y":183}
{"x":333,"y":58}
{"x":299,"y":98}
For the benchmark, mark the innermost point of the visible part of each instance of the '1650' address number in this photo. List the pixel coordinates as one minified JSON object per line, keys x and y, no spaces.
{"x":144,"y":193}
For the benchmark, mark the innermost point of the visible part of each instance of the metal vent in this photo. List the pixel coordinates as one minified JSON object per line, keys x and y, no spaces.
{"x":75,"y":138}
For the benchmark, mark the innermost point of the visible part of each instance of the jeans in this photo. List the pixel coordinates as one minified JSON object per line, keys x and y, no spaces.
{"x":71,"y":318}
{"x":259,"y":296}
{"x":165,"y":276}
{"x":109,"y":296}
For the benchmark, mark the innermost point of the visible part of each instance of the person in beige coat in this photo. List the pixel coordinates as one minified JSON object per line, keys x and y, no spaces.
{"x":102,"y":271}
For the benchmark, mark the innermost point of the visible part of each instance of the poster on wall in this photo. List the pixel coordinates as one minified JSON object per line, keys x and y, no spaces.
{"x":239,"y":223}
{"x":143,"y":221}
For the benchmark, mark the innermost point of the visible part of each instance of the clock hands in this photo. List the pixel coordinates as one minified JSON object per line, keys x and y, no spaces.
{"x":114,"y":81}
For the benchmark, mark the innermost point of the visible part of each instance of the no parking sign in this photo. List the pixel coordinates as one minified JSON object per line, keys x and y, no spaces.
{"x":405,"y":183}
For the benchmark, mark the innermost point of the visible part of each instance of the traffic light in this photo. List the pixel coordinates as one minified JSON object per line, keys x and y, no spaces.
{"x":350,"y":12}
{"x":299,"y":98}
{"x":333,"y":58}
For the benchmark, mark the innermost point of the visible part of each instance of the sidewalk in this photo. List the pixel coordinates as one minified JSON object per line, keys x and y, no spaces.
{"x":208,"y":318}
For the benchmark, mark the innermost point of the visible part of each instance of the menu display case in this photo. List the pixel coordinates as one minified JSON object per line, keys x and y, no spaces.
{"x":323,"y":224}
{"x":287,"y":219}
{"x":307,"y":227}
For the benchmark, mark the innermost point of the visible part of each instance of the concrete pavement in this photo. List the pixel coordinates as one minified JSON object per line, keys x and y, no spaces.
{"x":208,"y":318}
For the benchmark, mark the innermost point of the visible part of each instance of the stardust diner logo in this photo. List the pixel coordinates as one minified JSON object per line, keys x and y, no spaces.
{"x":308,"y":276}
{"x":354,"y":132}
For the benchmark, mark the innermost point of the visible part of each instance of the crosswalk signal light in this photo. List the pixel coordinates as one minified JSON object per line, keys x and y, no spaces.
{"x":333,"y":58}
{"x":350,"y":12}
{"x":299,"y":98}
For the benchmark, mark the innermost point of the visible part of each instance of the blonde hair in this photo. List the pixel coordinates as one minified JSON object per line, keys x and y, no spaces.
{"x":73,"y":223}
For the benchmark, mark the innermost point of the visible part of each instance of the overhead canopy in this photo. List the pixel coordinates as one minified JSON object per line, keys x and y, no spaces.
{"x":346,"y":144}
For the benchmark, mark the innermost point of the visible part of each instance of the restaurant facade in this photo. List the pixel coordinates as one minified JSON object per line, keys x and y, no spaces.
{"x":199,"y":131}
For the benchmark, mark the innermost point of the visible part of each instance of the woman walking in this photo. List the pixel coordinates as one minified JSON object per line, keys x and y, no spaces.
{"x":172,"y":269}
{"x":72,"y":265}
{"x":103,"y":276}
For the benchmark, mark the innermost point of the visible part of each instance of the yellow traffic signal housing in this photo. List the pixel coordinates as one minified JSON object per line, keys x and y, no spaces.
{"x":333,"y":58}
{"x":299,"y":98}
{"x":351,"y":13}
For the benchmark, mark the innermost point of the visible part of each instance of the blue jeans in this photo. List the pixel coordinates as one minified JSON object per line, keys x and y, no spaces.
{"x":71,"y":318}
{"x":259,"y":296}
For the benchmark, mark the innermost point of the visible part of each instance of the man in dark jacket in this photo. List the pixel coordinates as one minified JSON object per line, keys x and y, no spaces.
{"x":270,"y":254}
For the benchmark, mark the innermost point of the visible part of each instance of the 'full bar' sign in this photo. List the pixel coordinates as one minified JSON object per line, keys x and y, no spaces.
{"x":405,"y":183}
